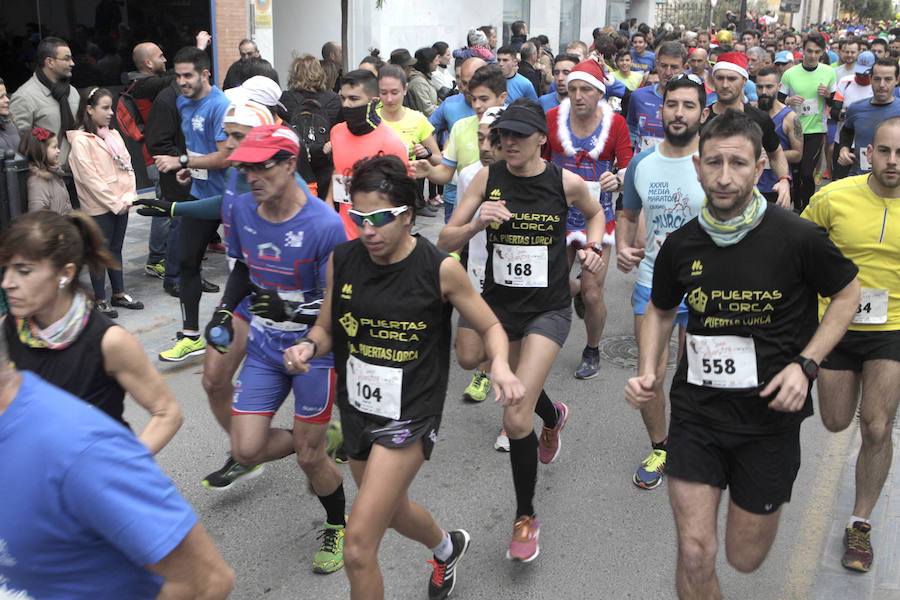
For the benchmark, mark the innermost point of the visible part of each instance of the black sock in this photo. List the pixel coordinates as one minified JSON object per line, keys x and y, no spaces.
{"x":524,"y":459}
{"x":591,"y":348}
{"x":335,"y":505}
{"x":661,"y":445}
{"x":546,"y":411}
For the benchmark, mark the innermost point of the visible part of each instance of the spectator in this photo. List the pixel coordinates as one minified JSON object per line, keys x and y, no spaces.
{"x":527,"y":59}
{"x":332,"y":63}
{"x":248,"y":50}
{"x":490,"y":32}
{"x":9,"y":135}
{"x":422,"y":95}
{"x":106,"y":187}
{"x":519,"y":31}
{"x":623,"y":72}
{"x":477,"y":47}
{"x":443,"y":78}
{"x":46,"y":189}
{"x":516,"y":85}
{"x":578,"y":48}
{"x":372,"y":62}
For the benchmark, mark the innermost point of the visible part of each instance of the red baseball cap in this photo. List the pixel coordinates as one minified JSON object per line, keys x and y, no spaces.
{"x":264,"y":142}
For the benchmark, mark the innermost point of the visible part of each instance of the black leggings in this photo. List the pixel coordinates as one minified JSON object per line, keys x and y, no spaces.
{"x":805,"y":184}
{"x":193,"y":238}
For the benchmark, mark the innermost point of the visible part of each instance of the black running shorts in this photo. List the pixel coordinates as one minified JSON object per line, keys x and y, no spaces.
{"x":856,"y":347}
{"x":362,"y":430}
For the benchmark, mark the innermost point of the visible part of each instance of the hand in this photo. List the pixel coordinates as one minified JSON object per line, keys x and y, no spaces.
{"x":166,"y":163}
{"x":609,"y":182}
{"x":794,"y":100}
{"x":506,"y":384}
{"x":267,"y":304}
{"x":590,"y":261}
{"x":793,"y":386}
{"x":823,"y":91}
{"x":183,"y":177}
{"x":493,"y":211}
{"x":155,"y":207}
{"x":326,"y":149}
{"x":420,"y":151}
{"x":221,"y":318}
{"x":640,"y":390}
{"x":203,"y":40}
{"x":421,"y":168}
{"x":783,"y":188}
{"x":628,"y":258}
{"x":845,"y":157}
{"x":297,"y":357}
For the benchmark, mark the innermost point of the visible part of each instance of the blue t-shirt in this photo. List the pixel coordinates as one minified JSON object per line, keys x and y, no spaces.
{"x":768,"y":177}
{"x":644,"y":62}
{"x":549,"y":101}
{"x":518,"y":86}
{"x":668,"y":191}
{"x":863,"y":117}
{"x":84,"y":506}
{"x":449,"y":112}
{"x":644,"y":119}
{"x":289,"y":257}
{"x":201,"y":123}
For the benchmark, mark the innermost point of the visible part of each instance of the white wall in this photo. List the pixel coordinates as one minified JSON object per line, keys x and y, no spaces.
{"x":544,"y":18}
{"x":593,"y":15}
{"x":303,"y":26}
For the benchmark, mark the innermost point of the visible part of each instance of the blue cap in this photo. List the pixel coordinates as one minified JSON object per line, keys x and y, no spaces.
{"x":864,"y":62}
{"x":784,"y":56}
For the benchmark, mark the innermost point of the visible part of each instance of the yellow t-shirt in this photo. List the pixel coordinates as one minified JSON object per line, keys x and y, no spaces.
{"x":866,"y":229}
{"x":632,"y":81}
{"x":412,"y":128}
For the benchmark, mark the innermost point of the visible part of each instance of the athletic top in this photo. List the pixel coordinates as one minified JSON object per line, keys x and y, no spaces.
{"x":391,"y":332}
{"x":518,"y":86}
{"x":78,"y":369}
{"x":866,"y":228}
{"x":411,"y":129}
{"x":84,"y":505}
{"x":849,"y":92}
{"x":643,"y":62}
{"x":668,"y":192}
{"x":644,"y":119}
{"x":770,"y":140}
{"x":289,"y":257}
{"x":756,"y":300}
{"x":527,"y":271}
{"x":797,"y":81}
{"x":548,"y":101}
{"x":449,"y":112}
{"x":462,"y":145}
{"x":768,"y":177}
{"x":633,"y":81}
{"x":476,"y":250}
{"x":862,"y":118}
{"x":201,"y":124}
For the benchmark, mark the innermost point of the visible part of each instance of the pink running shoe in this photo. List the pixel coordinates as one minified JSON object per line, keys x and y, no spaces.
{"x":548,"y":443}
{"x":524,"y":545}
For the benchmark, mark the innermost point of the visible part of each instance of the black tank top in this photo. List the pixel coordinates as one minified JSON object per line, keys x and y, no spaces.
{"x":391,"y":332}
{"x":78,"y":369}
{"x":527,"y":270}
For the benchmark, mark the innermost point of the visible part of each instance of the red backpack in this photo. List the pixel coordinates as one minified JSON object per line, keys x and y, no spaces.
{"x":131,"y":114}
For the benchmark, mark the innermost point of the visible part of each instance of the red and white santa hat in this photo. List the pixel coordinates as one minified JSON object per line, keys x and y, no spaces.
{"x":732,"y":61}
{"x":590,"y":71}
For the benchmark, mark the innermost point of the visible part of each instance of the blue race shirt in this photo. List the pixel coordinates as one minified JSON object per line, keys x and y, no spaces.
{"x":548,"y":101}
{"x":644,"y":119}
{"x":449,"y":112}
{"x":863,"y":117}
{"x":84,"y":505}
{"x":644,"y":62}
{"x":518,"y":86}
{"x":768,"y":177}
{"x":201,"y":123}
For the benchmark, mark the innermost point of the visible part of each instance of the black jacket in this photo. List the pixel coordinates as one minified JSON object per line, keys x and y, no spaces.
{"x":528,"y":71}
{"x":163,"y":135}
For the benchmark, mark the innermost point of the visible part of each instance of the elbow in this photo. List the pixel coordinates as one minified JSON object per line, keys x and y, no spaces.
{"x":219,"y":583}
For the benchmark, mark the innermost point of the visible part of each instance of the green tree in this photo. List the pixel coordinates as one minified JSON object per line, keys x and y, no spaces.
{"x":868,"y":9}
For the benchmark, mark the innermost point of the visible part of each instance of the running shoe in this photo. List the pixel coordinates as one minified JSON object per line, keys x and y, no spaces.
{"x":650,"y":474}
{"x":590,"y":364}
{"x":578,"y":304}
{"x":443,"y":577}
{"x":335,"y":439}
{"x":157,"y":270}
{"x":229,"y":474}
{"x":330,"y":557}
{"x":524,"y":546}
{"x":479,"y":387}
{"x":502,"y":442}
{"x":184,"y":347}
{"x":103,"y":307}
{"x":549,"y":443}
{"x":857,"y":547}
{"x":216,"y":247}
{"x":340,"y":454}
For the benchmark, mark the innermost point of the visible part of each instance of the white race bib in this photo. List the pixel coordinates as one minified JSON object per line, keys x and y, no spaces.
{"x":476,"y":276}
{"x":198,"y":173}
{"x":873,"y":307}
{"x":648,"y":141}
{"x":594,"y":189}
{"x":520,"y":266}
{"x":809,"y":107}
{"x":339,"y":187}
{"x":864,"y":164}
{"x":721,"y":361}
{"x":373,"y":389}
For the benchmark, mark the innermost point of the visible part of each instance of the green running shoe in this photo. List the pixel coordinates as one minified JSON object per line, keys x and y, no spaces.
{"x":157,"y":270}
{"x":184,"y":348}
{"x":334,"y":437}
{"x":330,"y":557}
{"x":229,"y":474}
{"x":650,"y":474}
{"x":479,"y":388}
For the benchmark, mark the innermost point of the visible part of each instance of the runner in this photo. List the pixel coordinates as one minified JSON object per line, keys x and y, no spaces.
{"x":525,"y":283}
{"x":663,"y":184}
{"x":644,"y":120}
{"x":742,"y":389}
{"x":587,"y":138}
{"x":862,"y":216}
{"x":787,"y":126}
{"x":53,"y":330}
{"x":281,"y":238}
{"x":386,"y":316}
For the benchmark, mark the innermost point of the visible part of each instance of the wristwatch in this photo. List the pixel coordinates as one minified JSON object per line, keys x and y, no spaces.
{"x":183,"y":159}
{"x":809,"y":366}
{"x":597,"y":248}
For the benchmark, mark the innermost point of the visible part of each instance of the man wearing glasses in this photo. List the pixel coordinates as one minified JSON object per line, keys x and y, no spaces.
{"x":248,"y":50}
{"x":281,"y":238}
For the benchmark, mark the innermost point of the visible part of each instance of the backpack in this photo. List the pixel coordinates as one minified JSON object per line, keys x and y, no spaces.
{"x":310,"y":121}
{"x":131,"y":114}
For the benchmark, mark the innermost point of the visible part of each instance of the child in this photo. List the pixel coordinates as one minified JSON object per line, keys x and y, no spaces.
{"x":46,"y":190}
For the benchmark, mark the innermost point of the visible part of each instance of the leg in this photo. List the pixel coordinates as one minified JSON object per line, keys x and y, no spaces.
{"x":262,"y":388}
{"x":838,"y":397}
{"x":218,"y":374}
{"x":881,"y":382}
{"x":309,"y":443}
{"x":695,"y":506}
{"x":654,"y":413}
{"x":98,"y":278}
{"x":748,"y":537}
{"x":194,"y":236}
{"x":156,"y":244}
{"x":173,"y":269}
{"x":115,"y":246}
{"x":253,"y":441}
{"x":595,"y":306}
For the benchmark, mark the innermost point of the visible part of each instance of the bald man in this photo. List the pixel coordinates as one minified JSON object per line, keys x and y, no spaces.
{"x":698,"y":62}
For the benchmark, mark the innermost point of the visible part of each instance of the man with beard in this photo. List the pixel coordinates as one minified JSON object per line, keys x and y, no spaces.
{"x":741,"y":391}
{"x":787,"y":126}
{"x":864,"y":116}
{"x":562,"y":66}
{"x":644,"y":121}
{"x":729,"y":76}
{"x":663,"y":184}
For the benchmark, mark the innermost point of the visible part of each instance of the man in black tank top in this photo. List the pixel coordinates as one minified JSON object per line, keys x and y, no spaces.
{"x":523,"y":203}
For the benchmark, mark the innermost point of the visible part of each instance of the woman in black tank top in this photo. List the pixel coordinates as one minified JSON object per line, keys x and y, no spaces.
{"x":386,"y":317}
{"x":53,"y":330}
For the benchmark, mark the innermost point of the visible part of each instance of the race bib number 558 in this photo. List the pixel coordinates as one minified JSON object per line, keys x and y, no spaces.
{"x":721,"y":361}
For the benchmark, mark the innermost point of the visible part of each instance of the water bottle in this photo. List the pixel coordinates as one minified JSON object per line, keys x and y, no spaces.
{"x":219,"y":336}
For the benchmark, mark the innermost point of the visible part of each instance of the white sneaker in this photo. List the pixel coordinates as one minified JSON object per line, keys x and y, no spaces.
{"x":502,"y":443}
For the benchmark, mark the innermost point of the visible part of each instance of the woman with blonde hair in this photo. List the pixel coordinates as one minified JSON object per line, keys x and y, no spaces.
{"x":313,"y":109}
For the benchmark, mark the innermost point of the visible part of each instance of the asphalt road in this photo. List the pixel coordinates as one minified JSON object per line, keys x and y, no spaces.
{"x":601,"y":536}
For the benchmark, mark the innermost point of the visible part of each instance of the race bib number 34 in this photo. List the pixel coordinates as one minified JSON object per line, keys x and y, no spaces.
{"x":520,"y":266}
{"x":373,"y":389}
{"x":721,"y":361}
{"x":873,"y":307}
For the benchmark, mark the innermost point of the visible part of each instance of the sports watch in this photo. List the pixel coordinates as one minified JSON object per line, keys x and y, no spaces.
{"x":809,"y":366}
{"x":183,"y":159}
{"x":596,"y":247}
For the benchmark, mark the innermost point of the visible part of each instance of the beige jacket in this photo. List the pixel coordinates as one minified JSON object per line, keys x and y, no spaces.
{"x":102,"y":185}
{"x":32,"y":106}
{"x":46,"y":191}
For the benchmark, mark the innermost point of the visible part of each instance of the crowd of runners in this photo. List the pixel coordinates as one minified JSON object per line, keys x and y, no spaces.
{"x":749,"y":179}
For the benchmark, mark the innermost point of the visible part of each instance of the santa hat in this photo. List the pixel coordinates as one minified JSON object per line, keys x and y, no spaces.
{"x":732,"y":61}
{"x":589,"y":71}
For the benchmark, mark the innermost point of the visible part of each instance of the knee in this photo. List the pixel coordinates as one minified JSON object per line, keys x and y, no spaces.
{"x":466,"y":358}
{"x":358,"y":555}
{"x":875,"y":432}
{"x":518,"y":424}
{"x":835,"y":423}
{"x":244,"y":454}
{"x":698,"y":554}
{"x":592,"y":292}
{"x":310,"y":458}
{"x":743,"y":561}
{"x":215,"y":384}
